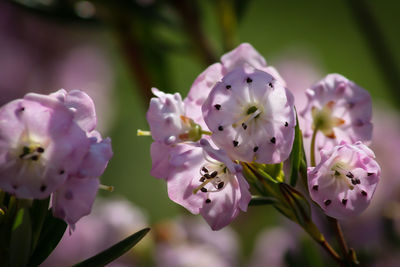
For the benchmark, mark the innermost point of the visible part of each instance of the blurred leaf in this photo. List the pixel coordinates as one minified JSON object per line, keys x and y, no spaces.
{"x":115,"y":251}
{"x":260,"y":200}
{"x":296,"y":154}
{"x":38,"y":213}
{"x":240,"y":8}
{"x":20,"y":243}
{"x":50,"y":236}
{"x":273,"y":170}
{"x":297,"y":203}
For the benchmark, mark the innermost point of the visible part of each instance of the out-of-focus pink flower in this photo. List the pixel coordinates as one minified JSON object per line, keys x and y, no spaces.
{"x":344,"y":182}
{"x":190,"y":242}
{"x":110,"y":221}
{"x":41,"y":145}
{"x":271,"y":247}
{"x":340,"y":110}
{"x":244,"y":56}
{"x":206,"y":181}
{"x":251,"y":116}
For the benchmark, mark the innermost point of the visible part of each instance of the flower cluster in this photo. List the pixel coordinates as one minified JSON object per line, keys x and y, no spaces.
{"x":236,"y":111}
{"x":49,"y":147}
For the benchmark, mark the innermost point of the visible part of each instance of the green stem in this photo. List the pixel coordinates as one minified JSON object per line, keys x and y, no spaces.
{"x":312,"y":151}
{"x":227,"y":20}
{"x":206,"y":132}
{"x":342,"y":241}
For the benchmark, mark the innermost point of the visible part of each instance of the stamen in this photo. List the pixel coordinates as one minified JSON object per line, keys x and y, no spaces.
{"x":201,"y":187}
{"x":204,"y":169}
{"x":35,"y":157}
{"x":213,"y":174}
{"x":350,"y":175}
{"x":40,"y":149}
{"x":143,"y":133}
{"x":220,"y":185}
{"x":108,"y":188}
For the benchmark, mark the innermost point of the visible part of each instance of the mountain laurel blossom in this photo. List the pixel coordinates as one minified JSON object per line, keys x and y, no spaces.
{"x":48,"y":146}
{"x":345,"y":180}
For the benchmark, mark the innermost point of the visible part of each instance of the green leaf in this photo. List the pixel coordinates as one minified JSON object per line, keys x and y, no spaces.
{"x":49,"y":237}
{"x":115,"y":251}
{"x":260,"y":200}
{"x":296,"y":154}
{"x":297,"y":203}
{"x":38,"y":213}
{"x":20,"y":243}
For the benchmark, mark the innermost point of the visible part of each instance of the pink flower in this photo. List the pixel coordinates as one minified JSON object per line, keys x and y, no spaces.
{"x":206,"y":181}
{"x":242,"y":56}
{"x":344,"y":182}
{"x":168,"y":121}
{"x":251,"y":116}
{"x":340,"y":109}
{"x":41,"y":145}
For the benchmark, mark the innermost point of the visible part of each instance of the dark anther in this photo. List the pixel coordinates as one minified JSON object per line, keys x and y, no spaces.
{"x":248,"y":80}
{"x":217,"y":106}
{"x":220,"y":128}
{"x":228,"y":87}
{"x":203,"y":189}
{"x":204,"y":169}
{"x":354,"y":181}
{"x":270,"y":85}
{"x":213,"y":174}
{"x":206,"y":175}
{"x":40,"y":149}
{"x":286,"y":124}
{"x":337,"y":173}
{"x":370,"y":173}
{"x":61,"y":172}
{"x":43,"y":188}
{"x":255,"y":149}
{"x":363,"y":193}
{"x":315,"y":187}
{"x":350,"y":175}
{"x":220,"y":185}
{"x":208,"y":200}
{"x":35,"y":157}
{"x":273,"y":140}
{"x":235,"y":143}
{"x":358,"y":181}
{"x":344,"y":201}
{"x":202,"y":179}
{"x":244,"y":125}
{"x":327,"y":202}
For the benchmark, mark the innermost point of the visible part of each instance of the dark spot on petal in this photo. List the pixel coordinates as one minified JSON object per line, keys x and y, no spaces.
{"x":344,"y":201}
{"x":217,"y":106}
{"x":35,"y":157}
{"x":220,"y":185}
{"x":315,"y":187}
{"x":337,"y":173}
{"x":363,"y":193}
{"x":213,"y":174}
{"x":244,"y":125}
{"x":286,"y":124}
{"x":255,"y":149}
{"x":327,"y":202}
{"x":235,"y":143}
{"x":203,"y":189}
{"x":15,"y":186}
{"x":350,"y":175}
{"x":43,"y":188}
{"x":370,"y":173}
{"x":220,"y":128}
{"x":273,"y":140}
{"x":208,"y":200}
{"x":351,"y":104}
{"x":69,"y":195}
{"x":61,"y":172}
{"x":249,"y":80}
{"x":40,"y":149}
{"x":228,"y":87}
{"x":359,"y":123}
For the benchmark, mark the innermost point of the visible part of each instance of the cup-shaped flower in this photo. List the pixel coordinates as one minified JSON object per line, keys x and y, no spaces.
{"x":40,"y":145}
{"x":168,"y":121}
{"x":340,"y":109}
{"x":242,"y":56}
{"x":251,"y":116}
{"x":204,"y":180}
{"x":344,"y":182}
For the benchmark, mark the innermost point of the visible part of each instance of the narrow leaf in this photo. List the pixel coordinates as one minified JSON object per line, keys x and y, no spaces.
{"x":38,"y":213}
{"x":296,"y":154}
{"x":50,"y":236}
{"x":20,"y":244}
{"x":260,"y":200}
{"x":115,"y":251}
